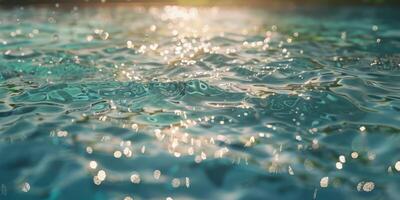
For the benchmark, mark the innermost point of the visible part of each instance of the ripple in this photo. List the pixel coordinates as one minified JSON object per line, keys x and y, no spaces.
{"x":157,"y":102}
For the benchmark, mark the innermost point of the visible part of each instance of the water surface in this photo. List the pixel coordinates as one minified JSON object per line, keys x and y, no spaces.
{"x":199,"y":103}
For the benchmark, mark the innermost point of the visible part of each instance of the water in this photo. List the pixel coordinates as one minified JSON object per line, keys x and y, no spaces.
{"x":199,"y":103}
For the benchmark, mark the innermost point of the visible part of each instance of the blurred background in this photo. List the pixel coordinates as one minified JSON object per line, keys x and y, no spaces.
{"x":211,"y":2}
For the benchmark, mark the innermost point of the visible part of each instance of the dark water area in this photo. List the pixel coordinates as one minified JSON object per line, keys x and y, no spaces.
{"x":169,"y":102}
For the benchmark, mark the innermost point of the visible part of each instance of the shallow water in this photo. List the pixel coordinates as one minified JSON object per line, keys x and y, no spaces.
{"x":199,"y":103}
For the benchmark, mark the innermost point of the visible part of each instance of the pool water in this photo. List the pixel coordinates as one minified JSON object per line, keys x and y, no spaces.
{"x":168,"y":102}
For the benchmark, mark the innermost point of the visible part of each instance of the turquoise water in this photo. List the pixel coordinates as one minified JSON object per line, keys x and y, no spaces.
{"x":133,"y":102}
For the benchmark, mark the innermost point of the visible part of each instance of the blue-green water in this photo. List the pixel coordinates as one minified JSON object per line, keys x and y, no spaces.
{"x":133,"y":102}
